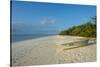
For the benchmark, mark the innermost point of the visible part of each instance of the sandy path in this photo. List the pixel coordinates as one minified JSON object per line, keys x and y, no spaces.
{"x":48,"y":50}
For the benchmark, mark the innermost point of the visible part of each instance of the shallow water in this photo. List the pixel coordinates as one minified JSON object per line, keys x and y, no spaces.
{"x":22,"y":37}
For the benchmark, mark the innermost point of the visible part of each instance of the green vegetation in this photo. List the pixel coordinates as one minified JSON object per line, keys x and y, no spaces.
{"x":86,"y":30}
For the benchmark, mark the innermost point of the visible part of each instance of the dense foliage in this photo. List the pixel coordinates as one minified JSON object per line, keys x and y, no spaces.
{"x":86,"y":30}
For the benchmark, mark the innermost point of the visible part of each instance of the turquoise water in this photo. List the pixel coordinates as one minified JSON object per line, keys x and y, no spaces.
{"x":21,"y":37}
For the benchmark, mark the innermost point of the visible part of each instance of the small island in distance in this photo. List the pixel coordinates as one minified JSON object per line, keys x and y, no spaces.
{"x":87,"y":29}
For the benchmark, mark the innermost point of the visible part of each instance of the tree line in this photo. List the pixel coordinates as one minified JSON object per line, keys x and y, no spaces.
{"x":87,"y":29}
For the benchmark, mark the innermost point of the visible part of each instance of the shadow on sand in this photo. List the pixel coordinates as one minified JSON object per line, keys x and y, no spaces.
{"x":78,"y":44}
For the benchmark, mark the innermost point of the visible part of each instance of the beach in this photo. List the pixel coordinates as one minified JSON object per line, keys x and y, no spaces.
{"x":49,"y":50}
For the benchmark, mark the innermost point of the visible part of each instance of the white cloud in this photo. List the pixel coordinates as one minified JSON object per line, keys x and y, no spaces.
{"x":43,"y":21}
{"x":52,"y":21}
{"x":47,"y":21}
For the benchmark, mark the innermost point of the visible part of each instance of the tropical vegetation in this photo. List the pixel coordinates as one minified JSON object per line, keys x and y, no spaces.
{"x":87,"y":29}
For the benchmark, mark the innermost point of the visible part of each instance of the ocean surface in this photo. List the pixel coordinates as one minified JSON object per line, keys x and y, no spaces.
{"x":22,"y":37}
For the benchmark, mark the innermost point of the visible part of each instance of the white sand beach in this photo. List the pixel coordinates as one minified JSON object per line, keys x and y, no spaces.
{"x":48,"y":50}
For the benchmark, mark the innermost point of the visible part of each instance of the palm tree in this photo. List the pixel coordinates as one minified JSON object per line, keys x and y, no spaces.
{"x":94,"y":19}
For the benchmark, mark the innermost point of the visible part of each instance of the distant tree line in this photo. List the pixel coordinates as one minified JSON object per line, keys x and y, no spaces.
{"x":87,"y":29}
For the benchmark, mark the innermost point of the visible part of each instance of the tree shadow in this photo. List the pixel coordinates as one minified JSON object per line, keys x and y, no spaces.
{"x":78,"y":44}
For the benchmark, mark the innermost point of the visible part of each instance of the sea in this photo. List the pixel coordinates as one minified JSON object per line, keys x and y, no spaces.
{"x":22,"y":37}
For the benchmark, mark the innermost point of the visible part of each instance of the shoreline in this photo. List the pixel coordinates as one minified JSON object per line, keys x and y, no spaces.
{"x":48,"y":50}
{"x":47,"y":37}
{"x":30,"y":38}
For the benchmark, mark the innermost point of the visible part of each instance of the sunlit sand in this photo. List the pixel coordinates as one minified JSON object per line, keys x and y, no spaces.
{"x":49,"y":50}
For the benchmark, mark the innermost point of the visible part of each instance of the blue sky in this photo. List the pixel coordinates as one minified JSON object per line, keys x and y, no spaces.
{"x":47,"y":18}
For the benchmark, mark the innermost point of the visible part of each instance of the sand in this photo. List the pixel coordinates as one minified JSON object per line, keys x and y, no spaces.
{"x":48,"y":50}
